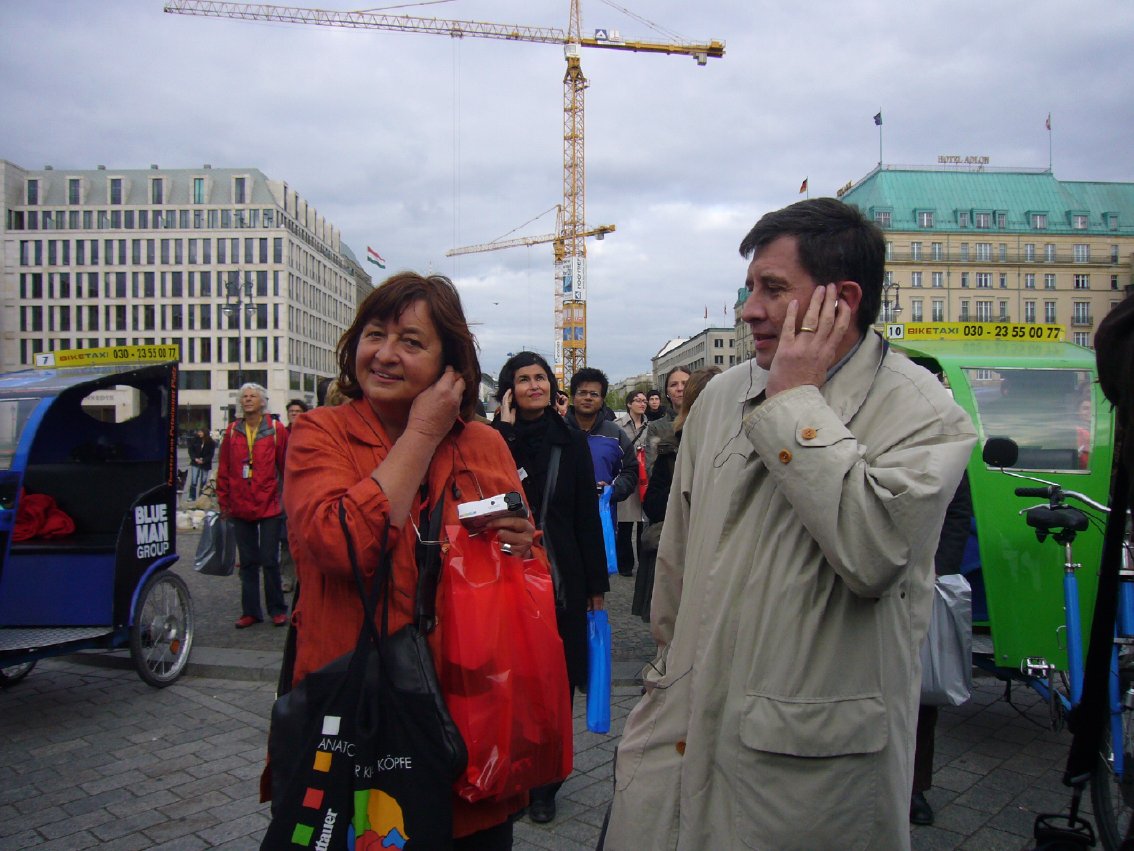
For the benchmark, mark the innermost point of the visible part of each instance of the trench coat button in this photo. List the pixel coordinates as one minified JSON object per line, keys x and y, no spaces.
{"x":808,"y":433}
{"x":785,"y":456}
{"x":680,"y":747}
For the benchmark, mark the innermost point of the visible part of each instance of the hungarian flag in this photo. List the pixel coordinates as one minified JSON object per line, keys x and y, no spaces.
{"x":878,"y":119}
{"x":706,"y":311}
{"x":803,"y":186}
{"x":1049,"y":121}
{"x":375,"y":258}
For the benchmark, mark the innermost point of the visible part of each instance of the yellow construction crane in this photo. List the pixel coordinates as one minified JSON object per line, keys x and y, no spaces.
{"x":557,"y":239}
{"x":571,"y":268}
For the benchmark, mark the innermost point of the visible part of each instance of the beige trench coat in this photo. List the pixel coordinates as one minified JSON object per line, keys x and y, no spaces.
{"x":792,"y":593}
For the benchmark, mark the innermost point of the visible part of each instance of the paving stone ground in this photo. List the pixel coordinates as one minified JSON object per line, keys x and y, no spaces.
{"x":92,"y":757}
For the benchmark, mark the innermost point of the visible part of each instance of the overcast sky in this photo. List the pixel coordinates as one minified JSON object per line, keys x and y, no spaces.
{"x":414,"y":144}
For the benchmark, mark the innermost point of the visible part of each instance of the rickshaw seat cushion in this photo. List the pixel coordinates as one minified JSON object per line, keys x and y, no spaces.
{"x":98,"y":497}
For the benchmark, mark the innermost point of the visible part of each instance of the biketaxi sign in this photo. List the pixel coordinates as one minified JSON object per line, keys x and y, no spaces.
{"x":100,"y":357}
{"x":1017,"y":332}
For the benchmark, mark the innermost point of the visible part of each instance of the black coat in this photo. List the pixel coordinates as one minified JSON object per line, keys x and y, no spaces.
{"x":571,"y":521}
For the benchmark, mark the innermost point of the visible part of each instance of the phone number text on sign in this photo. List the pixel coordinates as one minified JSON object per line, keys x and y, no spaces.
{"x":999,"y":331}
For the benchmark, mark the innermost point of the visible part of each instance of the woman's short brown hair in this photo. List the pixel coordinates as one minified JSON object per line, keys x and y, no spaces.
{"x":389,"y":299}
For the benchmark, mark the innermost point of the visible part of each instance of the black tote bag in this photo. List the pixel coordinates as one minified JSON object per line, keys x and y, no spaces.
{"x":363,"y":750}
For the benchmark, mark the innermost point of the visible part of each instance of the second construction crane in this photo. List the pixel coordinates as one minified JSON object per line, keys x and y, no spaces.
{"x":571,"y":268}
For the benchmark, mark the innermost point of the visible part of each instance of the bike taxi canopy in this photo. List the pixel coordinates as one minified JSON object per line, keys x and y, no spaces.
{"x":1046,"y":398}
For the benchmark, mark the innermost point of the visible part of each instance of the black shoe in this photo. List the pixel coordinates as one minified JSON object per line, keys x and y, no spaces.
{"x":541,"y":812}
{"x":920,"y":811}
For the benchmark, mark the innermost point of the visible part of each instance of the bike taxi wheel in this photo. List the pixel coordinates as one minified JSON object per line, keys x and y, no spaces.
{"x":1111,"y":796}
{"x":162,"y":634}
{"x":12,"y":674}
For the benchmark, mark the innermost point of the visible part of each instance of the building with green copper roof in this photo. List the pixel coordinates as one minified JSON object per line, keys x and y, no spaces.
{"x":977,"y":244}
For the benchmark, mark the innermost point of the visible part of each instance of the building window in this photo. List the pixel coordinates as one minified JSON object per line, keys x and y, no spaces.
{"x":984,"y":311}
{"x":1082,"y":282}
{"x":1081,"y":338}
{"x":116,"y":190}
{"x":882,"y":218}
{"x":964,"y":280}
{"x":984,"y":251}
{"x":917,"y":310}
{"x":962,"y":218}
{"x":1082,"y":252}
{"x":1039,"y":221}
{"x":925,"y":219}
{"x":1003,"y":280}
{"x":74,"y":191}
{"x":1049,"y":281}
{"x":1001,"y":220}
{"x":938,"y":310}
{"x":1112,"y":221}
{"x":982,"y":221}
{"x":198,"y":190}
{"x":1081,"y":313}
{"x":1003,"y":311}
{"x":984,"y":280}
{"x":938,"y":280}
{"x":1030,"y":252}
{"x":1002,"y":252}
{"x":964,"y":251}
{"x":1029,"y":311}
{"x":1049,"y":252}
{"x":238,"y":190}
{"x":915,"y":279}
{"x":33,"y":191}
{"x":915,"y":250}
{"x":1114,"y":282}
{"x":1049,"y":312}
{"x":1114,"y":254}
{"x":964,"y":317}
{"x":937,"y":250}
{"x":1079,"y":221}
{"x":157,"y":193}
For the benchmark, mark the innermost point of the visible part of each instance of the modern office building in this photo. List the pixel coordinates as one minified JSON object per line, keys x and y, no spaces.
{"x":999,"y":245}
{"x":237,"y":269}
{"x":711,"y":347}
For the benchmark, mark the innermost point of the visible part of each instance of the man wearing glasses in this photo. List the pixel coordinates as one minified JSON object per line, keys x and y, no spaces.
{"x":612,"y":450}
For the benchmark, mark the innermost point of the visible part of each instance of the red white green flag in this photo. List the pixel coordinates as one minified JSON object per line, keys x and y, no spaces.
{"x":375,"y":258}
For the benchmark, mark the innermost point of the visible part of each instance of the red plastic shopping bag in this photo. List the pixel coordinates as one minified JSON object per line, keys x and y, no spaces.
{"x":502,"y":668}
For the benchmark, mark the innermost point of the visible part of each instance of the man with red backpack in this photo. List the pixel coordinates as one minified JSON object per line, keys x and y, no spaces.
{"x":249,"y":486}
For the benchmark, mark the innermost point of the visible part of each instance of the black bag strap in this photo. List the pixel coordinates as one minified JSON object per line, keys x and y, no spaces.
{"x":548,"y":490}
{"x":428,"y":552}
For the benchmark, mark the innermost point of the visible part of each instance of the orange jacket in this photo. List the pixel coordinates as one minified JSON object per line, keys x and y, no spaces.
{"x":331,"y":456}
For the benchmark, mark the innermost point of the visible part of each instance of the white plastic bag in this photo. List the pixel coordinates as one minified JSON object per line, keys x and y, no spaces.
{"x":946,"y":653}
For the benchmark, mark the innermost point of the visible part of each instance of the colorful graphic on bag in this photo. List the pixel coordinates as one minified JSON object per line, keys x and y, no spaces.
{"x":378,"y":822}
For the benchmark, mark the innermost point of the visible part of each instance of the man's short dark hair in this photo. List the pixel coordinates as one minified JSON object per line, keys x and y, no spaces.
{"x":302,"y":405}
{"x":836,"y":242}
{"x":589,"y":373}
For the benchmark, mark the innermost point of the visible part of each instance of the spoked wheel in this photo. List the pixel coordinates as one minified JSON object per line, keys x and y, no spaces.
{"x":163,"y":629}
{"x":14,"y":673}
{"x":1112,"y":797}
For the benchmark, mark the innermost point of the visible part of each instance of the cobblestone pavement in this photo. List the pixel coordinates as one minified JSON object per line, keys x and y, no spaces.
{"x":90,"y":756}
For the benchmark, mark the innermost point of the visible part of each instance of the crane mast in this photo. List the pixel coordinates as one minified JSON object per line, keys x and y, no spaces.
{"x":571,"y":261}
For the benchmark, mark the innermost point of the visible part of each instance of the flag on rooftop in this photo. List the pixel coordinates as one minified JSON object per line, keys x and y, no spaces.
{"x":803,"y":186}
{"x":1049,"y":121}
{"x":375,"y":258}
{"x":878,"y":119}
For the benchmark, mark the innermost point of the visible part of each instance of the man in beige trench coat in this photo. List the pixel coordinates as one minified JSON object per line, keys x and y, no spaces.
{"x":794,"y":580}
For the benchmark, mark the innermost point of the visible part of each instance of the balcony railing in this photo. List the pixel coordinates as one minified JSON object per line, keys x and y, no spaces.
{"x":1082,"y":322}
{"x":1061,"y":257}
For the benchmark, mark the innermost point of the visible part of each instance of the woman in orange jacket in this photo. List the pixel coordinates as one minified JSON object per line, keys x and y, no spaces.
{"x":404,"y":441}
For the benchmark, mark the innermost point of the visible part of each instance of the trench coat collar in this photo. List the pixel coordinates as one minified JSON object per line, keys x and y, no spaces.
{"x":846,"y":390}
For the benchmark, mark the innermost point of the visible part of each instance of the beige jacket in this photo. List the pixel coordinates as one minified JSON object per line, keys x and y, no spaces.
{"x":793,"y":590}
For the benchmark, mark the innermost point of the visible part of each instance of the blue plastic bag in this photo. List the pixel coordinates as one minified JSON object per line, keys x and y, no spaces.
{"x":606,"y":514}
{"x":598,"y":681}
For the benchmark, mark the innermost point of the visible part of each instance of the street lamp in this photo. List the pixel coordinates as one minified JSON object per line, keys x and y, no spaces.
{"x":239,"y":296}
{"x":890,"y":311}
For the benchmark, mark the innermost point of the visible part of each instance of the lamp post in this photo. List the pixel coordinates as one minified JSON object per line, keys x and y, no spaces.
{"x":239,"y":299}
{"x":891,"y":310}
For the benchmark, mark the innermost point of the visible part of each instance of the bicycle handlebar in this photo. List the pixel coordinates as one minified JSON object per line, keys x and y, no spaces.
{"x":1040,"y":492}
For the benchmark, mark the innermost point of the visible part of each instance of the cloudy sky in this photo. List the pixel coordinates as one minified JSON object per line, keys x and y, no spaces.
{"x":414,"y":144}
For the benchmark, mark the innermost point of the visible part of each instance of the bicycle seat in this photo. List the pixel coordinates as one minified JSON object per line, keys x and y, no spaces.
{"x":1050,"y":519}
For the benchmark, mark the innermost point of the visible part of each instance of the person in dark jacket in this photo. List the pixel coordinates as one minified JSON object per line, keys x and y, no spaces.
{"x":201,"y":450}
{"x":568,"y":517}
{"x":249,"y":484}
{"x":955,"y":532}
